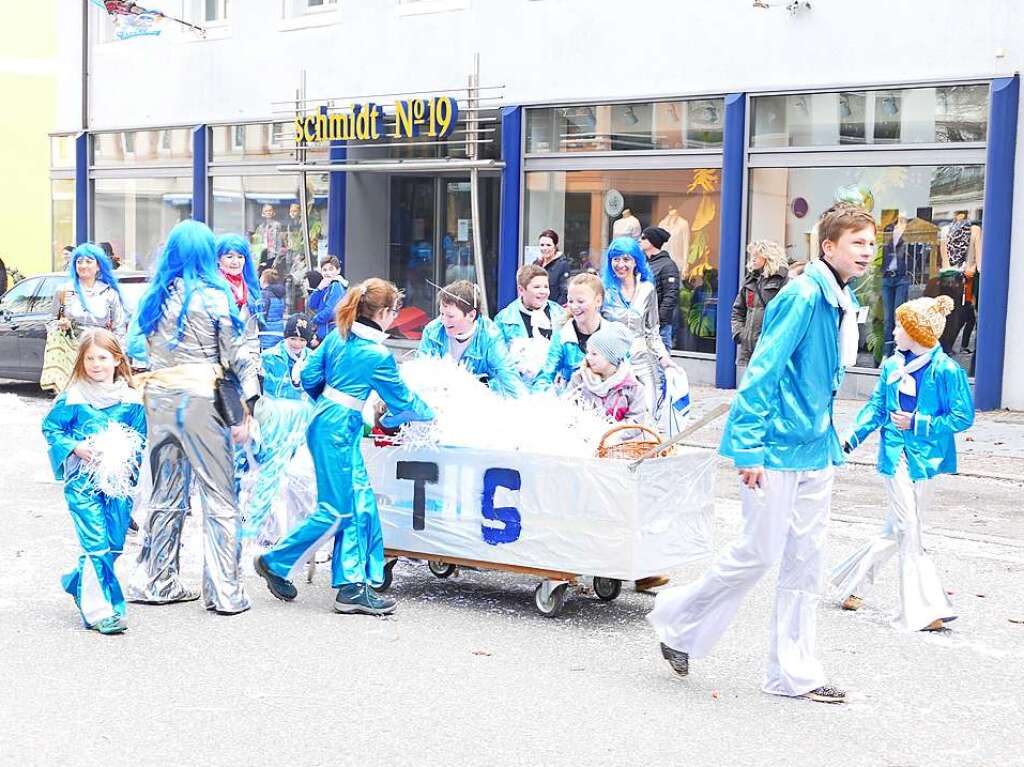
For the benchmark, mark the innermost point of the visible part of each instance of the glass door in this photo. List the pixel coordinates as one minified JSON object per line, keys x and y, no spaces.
{"x":412,"y":265}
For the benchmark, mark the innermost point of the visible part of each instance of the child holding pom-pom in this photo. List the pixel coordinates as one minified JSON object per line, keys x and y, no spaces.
{"x":922,"y":399}
{"x":95,"y":432}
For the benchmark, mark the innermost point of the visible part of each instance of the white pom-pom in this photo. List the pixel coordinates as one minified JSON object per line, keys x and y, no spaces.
{"x":115,"y":460}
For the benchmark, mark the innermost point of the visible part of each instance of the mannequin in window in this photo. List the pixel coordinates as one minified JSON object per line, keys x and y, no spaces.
{"x":959,"y":248}
{"x":678,"y":245}
{"x":627,"y":225}
{"x":896,"y":275}
{"x":269,"y":232}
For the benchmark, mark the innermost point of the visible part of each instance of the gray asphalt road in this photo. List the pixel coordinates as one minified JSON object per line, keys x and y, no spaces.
{"x":468,"y":673}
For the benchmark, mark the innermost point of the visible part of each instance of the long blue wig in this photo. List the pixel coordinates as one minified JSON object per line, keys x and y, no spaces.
{"x":190,"y":254}
{"x":228,"y":243}
{"x":624,"y":246}
{"x":106,"y":273}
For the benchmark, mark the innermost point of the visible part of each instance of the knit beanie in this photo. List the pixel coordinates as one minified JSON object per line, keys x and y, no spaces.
{"x":655,"y":235}
{"x":924,"y":319}
{"x":299,"y":326}
{"x":612,"y":340}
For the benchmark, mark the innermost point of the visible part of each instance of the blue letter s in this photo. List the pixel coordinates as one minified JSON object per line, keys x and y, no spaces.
{"x":507,"y":515}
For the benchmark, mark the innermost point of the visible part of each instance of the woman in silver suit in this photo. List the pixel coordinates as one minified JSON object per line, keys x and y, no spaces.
{"x":91,"y":298}
{"x":194,"y":337}
{"x":631,"y":298}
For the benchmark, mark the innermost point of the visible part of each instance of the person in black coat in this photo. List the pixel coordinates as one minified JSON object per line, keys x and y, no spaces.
{"x":666,"y":278}
{"x":556,"y":265}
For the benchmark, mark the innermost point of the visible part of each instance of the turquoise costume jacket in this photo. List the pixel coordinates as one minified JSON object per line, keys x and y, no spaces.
{"x":486,"y":355}
{"x":944,"y":407}
{"x":277,"y":373}
{"x":781,"y":417}
{"x":510,"y":321}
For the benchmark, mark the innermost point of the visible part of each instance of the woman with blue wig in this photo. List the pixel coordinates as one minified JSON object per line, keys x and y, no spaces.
{"x":631,"y":298}
{"x":194,"y":337}
{"x":91,"y":298}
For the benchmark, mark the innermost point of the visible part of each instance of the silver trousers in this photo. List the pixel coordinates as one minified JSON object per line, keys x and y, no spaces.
{"x":922,"y":598}
{"x":189,"y":440}
{"x":785,"y":521}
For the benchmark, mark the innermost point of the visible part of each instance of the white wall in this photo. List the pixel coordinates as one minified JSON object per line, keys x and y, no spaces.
{"x":545,"y":50}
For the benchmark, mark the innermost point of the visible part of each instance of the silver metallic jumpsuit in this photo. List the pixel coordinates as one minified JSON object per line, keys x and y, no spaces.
{"x":188,"y":438}
{"x":641,"y":316}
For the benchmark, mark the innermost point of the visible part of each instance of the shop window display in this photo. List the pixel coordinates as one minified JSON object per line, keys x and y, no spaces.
{"x":589,"y":208}
{"x":929,"y":239}
{"x":135,"y":214}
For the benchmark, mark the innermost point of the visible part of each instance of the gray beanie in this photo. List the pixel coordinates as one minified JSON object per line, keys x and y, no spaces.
{"x":612,"y":340}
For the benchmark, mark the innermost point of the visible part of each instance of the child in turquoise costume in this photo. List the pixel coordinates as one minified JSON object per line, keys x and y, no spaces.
{"x":283,"y":413}
{"x":97,"y":396}
{"x":471,"y":340}
{"x":350,"y":364}
{"x":922,"y":399}
{"x":569,"y":343}
{"x":528,"y":323}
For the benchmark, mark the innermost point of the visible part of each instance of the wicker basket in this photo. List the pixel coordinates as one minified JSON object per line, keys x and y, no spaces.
{"x":632,"y":449}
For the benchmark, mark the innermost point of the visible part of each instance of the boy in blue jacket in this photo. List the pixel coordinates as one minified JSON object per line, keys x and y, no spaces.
{"x":782,"y":441}
{"x":922,"y":399}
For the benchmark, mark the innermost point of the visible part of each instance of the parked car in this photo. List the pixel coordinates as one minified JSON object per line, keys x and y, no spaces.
{"x":25,"y":310}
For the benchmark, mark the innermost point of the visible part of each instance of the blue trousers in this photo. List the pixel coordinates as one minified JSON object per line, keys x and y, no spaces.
{"x":666,"y":335}
{"x":894,"y":293}
{"x":101,"y":524}
{"x":346,"y":509}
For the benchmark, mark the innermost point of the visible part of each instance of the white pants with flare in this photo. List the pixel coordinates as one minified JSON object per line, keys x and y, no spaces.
{"x":783,"y":521}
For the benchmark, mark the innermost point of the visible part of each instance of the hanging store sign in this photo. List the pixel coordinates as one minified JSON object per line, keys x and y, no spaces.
{"x":435,"y":117}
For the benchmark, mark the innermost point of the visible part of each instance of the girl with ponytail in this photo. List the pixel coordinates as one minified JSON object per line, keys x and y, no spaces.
{"x":340,"y":375}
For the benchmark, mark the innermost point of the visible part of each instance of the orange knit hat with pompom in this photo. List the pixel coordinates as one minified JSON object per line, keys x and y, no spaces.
{"x":924,"y":319}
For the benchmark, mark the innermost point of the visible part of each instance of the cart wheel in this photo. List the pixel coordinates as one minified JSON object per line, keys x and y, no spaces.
{"x":552,"y":605}
{"x":389,"y":567}
{"x":441,"y":569}
{"x":607,"y":589}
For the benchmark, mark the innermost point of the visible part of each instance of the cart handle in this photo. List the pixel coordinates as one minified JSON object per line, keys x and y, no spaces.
{"x":708,"y":418}
{"x":623,"y":426}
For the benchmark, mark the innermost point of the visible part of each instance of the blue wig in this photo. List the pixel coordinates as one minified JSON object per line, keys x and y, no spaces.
{"x":190,"y":254}
{"x":106,"y":272}
{"x":236,"y":243}
{"x":624,"y":246}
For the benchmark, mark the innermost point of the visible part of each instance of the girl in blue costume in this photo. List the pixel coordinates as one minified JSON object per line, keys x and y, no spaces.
{"x":283,"y":413}
{"x":471,"y":340}
{"x":922,"y":399}
{"x":98,"y":395}
{"x":340,"y":375}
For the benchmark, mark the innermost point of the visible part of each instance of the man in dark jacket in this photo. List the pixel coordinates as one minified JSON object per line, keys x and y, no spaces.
{"x":666,"y":278}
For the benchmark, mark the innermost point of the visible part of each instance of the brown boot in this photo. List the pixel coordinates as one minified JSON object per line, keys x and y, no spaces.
{"x":936,"y":625}
{"x":646,"y":584}
{"x":852,"y":603}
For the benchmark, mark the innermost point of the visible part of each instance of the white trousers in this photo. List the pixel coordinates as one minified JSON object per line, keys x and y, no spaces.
{"x":785,"y":520}
{"x":922,"y":598}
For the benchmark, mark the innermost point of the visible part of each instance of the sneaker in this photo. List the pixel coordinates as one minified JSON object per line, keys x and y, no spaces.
{"x":114,"y":624}
{"x":852,"y":603}
{"x":646,"y":584}
{"x":677,"y":659}
{"x":280,"y":587}
{"x":360,"y":598}
{"x":826,"y":694}
{"x":937,"y":626}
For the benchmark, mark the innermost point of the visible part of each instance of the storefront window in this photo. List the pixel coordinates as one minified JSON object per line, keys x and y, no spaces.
{"x":947,"y":114}
{"x":929,"y":239}
{"x":62,"y":219}
{"x":159,"y":146}
{"x":432,"y":242}
{"x":62,"y":151}
{"x":589,"y":208}
{"x":267,"y":210}
{"x":135,"y":214}
{"x":663,"y":125}
{"x":255,"y":142}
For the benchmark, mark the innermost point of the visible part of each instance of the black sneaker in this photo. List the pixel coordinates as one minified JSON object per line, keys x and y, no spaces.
{"x":359,"y":598}
{"x":826,"y":694}
{"x":677,"y":659}
{"x":281,"y":588}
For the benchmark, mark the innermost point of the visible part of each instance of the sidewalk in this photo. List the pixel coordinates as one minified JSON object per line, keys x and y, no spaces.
{"x":993,"y":448}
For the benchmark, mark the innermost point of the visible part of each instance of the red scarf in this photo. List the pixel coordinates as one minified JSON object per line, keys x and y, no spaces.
{"x":238,"y":288}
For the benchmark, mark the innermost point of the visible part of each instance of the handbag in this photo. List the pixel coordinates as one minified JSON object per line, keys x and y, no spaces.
{"x":58,"y":354}
{"x":227,"y":398}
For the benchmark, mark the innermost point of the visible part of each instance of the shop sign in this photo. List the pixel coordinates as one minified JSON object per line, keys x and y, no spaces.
{"x":435,"y":117}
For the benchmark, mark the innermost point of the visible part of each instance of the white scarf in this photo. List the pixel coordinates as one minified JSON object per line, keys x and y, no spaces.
{"x":849,"y":336}
{"x":539,"y":319}
{"x":904,"y":372}
{"x":103,"y":395}
{"x":602,"y":386}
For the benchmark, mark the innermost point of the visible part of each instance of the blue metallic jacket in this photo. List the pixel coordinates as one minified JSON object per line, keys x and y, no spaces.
{"x":486,"y":355}
{"x":944,"y":407}
{"x":781,"y":417}
{"x":564,"y":356}
{"x":277,"y":373}
{"x":510,"y":321}
{"x":357,"y":365}
{"x":72,"y":420}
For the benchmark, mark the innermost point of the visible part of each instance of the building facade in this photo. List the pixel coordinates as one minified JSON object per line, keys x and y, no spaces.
{"x":725,"y":123}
